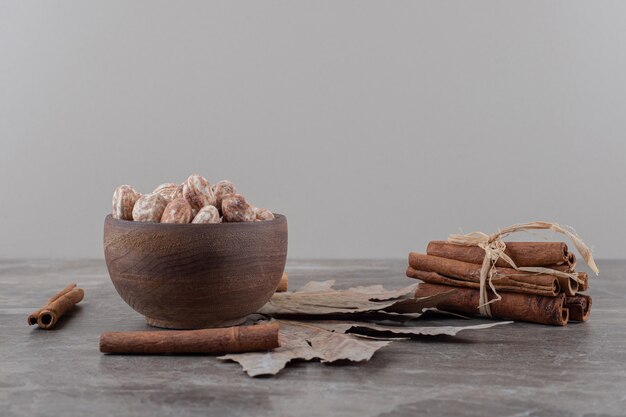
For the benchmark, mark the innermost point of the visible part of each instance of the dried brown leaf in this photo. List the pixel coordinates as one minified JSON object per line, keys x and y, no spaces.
{"x":319,"y":298}
{"x":384,"y":315}
{"x":331,"y":341}
{"x":304,"y":341}
{"x":399,"y":329}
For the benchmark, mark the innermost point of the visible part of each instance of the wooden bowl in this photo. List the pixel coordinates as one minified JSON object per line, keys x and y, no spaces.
{"x":189,"y":276}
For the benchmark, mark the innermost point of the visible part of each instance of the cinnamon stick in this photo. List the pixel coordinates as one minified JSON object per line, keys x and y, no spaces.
{"x":522,"y":253}
{"x":569,"y":266}
{"x":283,"y":284}
{"x":584,"y":285}
{"x":471,"y":272}
{"x":571,"y":261}
{"x":513,"y":306}
{"x":225,"y":340}
{"x":541,"y":286}
{"x":562,"y":268}
{"x":568,"y":285}
{"x":48,"y":316}
{"x":579,"y":307}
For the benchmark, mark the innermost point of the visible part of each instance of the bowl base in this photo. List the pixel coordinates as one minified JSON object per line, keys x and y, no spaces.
{"x":164,"y":324}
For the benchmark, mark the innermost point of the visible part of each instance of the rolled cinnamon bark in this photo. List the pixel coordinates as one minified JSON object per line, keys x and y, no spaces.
{"x":562,"y":268}
{"x":471,"y":272}
{"x":522,"y":253}
{"x":513,"y":306}
{"x":52,"y":313}
{"x":568,"y":285}
{"x":48,"y":316}
{"x":283,"y":285}
{"x":571,"y":261}
{"x":540,"y":286}
{"x":584,"y":284}
{"x":226,"y":340}
{"x":569,"y":266}
{"x":579,"y":307}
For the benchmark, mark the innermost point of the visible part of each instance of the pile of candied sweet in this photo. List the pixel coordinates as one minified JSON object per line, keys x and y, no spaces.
{"x":193,"y":201}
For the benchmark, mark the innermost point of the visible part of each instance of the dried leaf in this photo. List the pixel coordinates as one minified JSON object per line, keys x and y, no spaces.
{"x":303,"y":341}
{"x":402,"y":330}
{"x":383,"y":315}
{"x":319,"y":298}
{"x":327,"y":341}
{"x":270,"y":363}
{"x":335,"y":346}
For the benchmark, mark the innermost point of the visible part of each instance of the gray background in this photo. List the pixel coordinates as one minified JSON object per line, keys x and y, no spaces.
{"x":374,"y":126}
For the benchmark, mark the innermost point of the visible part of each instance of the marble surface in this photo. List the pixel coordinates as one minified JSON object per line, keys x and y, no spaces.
{"x":513,"y":370}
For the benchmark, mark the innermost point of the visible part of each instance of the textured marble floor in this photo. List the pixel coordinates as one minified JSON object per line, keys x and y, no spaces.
{"x":514,"y":370}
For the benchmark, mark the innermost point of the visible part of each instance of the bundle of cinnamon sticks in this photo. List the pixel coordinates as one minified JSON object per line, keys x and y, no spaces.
{"x":524,"y":296}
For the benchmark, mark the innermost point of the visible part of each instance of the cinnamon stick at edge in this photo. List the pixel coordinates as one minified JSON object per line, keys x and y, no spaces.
{"x":47,"y":316}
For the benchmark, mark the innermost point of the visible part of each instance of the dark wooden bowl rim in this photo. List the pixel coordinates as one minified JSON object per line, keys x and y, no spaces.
{"x":278,"y":217}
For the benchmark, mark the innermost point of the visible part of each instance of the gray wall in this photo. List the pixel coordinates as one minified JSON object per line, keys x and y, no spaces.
{"x":374,"y":126}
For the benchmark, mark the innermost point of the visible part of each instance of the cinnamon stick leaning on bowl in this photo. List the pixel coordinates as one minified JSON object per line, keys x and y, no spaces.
{"x":235,"y":339}
{"x":283,"y":285}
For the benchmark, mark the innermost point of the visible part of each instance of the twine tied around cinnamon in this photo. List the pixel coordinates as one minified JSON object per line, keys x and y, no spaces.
{"x":494,"y":249}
